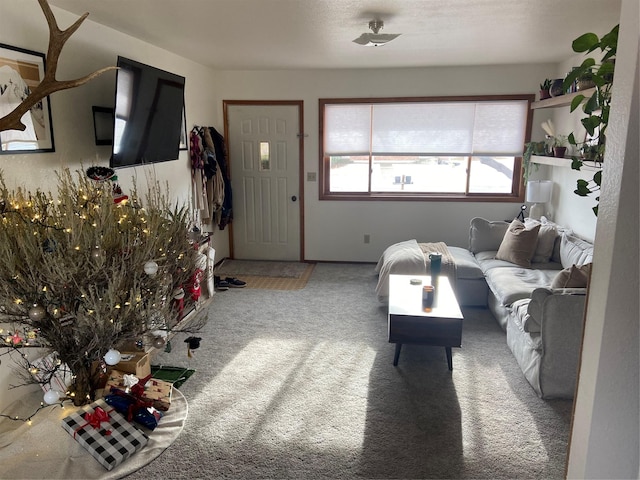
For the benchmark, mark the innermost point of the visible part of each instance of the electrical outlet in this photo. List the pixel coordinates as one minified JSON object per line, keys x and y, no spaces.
{"x":367,"y":238}
{"x":311,"y":176}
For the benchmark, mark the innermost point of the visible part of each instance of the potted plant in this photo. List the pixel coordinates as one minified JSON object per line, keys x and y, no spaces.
{"x":557,"y":143}
{"x":544,"y":89}
{"x":596,"y":107}
{"x":532,"y":148}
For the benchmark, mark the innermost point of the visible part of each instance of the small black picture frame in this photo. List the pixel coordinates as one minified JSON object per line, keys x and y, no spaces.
{"x":103,"y":125}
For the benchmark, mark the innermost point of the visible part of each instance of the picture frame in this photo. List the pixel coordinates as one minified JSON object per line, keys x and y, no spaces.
{"x":20,"y":71}
{"x":103,"y":118}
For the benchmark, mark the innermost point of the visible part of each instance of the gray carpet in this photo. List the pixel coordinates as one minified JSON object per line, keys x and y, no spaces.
{"x":300,"y":384}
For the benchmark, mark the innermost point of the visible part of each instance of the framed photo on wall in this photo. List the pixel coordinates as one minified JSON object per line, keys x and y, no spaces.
{"x":20,"y":71}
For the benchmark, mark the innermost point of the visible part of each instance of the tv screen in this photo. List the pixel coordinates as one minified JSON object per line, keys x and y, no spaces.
{"x":147,"y":116}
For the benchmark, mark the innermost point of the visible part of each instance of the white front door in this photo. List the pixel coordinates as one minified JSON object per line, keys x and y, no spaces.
{"x":264,"y":162}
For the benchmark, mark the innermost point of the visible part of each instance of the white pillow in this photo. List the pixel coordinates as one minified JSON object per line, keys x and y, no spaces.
{"x":485,"y":235}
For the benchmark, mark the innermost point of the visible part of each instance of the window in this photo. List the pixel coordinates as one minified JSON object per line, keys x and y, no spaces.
{"x":453,"y":148}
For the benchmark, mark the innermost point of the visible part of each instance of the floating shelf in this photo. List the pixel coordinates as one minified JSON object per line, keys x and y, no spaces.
{"x":564,"y":162}
{"x":562,"y":100}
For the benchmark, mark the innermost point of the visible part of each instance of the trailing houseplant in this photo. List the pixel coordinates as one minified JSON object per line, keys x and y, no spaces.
{"x":596,"y":107}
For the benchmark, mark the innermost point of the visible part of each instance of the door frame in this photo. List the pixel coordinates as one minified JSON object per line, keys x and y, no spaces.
{"x":257,"y":103}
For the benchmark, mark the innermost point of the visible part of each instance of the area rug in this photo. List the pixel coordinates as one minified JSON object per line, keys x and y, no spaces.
{"x":267,"y":275}
{"x":174,"y":375}
{"x":261,"y":268}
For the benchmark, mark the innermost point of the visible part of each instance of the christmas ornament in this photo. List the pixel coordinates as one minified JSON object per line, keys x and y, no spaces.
{"x":16,"y":338}
{"x":151,"y":268}
{"x":37,"y":312}
{"x":51,"y":397}
{"x":158,"y":342}
{"x":112,"y":357}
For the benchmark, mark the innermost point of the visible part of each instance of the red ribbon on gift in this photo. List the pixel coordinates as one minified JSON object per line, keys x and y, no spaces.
{"x":136,"y":403}
{"x":138,"y":389}
{"x":95,"y":419}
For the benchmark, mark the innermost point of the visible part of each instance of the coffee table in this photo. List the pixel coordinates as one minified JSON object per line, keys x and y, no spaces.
{"x":410,"y":323}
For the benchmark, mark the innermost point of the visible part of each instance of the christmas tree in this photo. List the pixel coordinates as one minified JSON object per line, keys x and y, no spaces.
{"x":89,"y":270}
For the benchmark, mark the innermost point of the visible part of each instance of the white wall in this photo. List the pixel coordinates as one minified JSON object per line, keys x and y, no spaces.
{"x":605,"y":440}
{"x":334,"y":230}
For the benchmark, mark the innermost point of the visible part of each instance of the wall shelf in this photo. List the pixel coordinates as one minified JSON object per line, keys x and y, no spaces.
{"x":564,"y":162}
{"x":562,"y":100}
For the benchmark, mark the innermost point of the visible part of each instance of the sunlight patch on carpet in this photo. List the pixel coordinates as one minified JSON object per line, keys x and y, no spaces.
{"x":276,"y":392}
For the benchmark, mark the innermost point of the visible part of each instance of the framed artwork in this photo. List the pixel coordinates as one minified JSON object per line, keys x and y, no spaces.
{"x":103,"y":125}
{"x":20,"y":71}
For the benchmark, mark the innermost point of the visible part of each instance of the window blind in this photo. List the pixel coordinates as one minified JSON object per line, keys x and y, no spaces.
{"x":492,"y":128}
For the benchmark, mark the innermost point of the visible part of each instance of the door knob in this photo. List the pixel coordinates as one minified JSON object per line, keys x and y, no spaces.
{"x":294,"y":198}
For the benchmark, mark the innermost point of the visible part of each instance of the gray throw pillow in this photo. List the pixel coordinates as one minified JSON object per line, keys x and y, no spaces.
{"x":485,"y":235}
{"x":518,"y":244}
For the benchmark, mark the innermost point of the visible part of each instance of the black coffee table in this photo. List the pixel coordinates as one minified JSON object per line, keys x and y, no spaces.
{"x":410,"y":323}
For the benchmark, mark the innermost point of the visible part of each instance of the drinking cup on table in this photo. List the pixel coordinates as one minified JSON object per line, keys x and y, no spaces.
{"x":436,"y":263}
{"x":427,"y":297}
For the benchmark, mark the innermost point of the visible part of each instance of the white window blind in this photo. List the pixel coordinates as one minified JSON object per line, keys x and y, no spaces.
{"x":430,"y":128}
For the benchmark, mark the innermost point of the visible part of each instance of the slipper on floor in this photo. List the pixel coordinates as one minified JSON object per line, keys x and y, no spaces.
{"x":235,"y":283}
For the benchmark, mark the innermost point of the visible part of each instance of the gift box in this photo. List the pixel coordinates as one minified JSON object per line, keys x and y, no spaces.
{"x":134,"y":409}
{"x":52,"y":373}
{"x":137,"y":363}
{"x":158,"y":392}
{"x":104,"y":433}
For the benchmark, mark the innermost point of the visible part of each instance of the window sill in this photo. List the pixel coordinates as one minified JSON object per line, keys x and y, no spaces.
{"x":417,"y":197}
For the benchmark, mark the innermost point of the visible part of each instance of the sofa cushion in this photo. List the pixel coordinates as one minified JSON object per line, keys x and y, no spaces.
{"x":575,"y":251}
{"x":546,"y":240}
{"x":486,"y":235}
{"x":518,"y":244}
{"x":466,"y":264}
{"x":555,"y":256}
{"x":520,"y":308}
{"x":576,"y":276}
{"x":509,"y":284}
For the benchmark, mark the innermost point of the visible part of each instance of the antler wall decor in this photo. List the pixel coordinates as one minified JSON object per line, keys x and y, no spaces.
{"x":49,"y":84}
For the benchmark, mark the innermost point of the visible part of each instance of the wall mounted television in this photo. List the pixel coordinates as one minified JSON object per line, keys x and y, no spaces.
{"x":148,"y":114}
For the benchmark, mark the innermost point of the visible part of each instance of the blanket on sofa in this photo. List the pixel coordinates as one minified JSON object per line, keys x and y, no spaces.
{"x":410,"y":258}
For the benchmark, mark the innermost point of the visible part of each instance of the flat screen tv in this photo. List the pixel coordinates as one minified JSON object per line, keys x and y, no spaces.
{"x":148,"y":114}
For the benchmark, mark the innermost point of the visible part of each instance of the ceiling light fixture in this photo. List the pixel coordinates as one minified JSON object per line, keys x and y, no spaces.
{"x":375,"y":39}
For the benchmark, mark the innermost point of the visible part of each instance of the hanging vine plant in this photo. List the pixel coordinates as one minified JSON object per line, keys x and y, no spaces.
{"x":596,"y":107}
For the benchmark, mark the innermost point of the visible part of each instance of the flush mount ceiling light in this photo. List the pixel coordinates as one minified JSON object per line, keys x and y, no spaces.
{"x":375,"y":39}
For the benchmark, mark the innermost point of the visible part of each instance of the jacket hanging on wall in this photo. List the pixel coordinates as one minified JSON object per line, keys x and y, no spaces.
{"x":212,"y":186}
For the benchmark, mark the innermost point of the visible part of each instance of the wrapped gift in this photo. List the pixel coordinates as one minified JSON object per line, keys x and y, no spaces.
{"x":134,"y":409}
{"x":104,"y":433}
{"x":52,"y":373}
{"x":158,"y":392}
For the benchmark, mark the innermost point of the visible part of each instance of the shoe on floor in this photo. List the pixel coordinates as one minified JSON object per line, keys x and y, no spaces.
{"x":235,"y":283}
{"x":220,"y":285}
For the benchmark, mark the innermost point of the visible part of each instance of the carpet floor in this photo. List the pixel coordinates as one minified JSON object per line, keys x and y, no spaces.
{"x":300,"y":384}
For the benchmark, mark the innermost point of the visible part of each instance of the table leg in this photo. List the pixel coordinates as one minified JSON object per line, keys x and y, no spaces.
{"x":397,"y":355}
{"x":449,"y":357}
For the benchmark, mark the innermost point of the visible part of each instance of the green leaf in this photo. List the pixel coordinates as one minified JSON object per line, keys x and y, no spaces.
{"x":591,"y":123}
{"x":597,"y":177}
{"x":572,"y":139}
{"x":585,"y":42}
{"x":577,"y":100}
{"x":576,"y":163}
{"x":595,"y":210}
{"x":592,"y":104}
{"x":582,"y":188}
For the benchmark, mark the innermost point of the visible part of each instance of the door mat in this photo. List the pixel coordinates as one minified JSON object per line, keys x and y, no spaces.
{"x":175,"y":375}
{"x":261,"y":268}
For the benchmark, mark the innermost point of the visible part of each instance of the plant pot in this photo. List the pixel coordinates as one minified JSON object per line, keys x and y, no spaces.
{"x":556,"y":88}
{"x":559,"y":152}
{"x":544,"y":94}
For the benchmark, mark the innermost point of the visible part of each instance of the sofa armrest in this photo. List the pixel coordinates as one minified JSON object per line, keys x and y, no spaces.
{"x":561,"y":325}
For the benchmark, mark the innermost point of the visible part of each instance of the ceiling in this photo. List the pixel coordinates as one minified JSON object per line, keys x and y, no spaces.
{"x":307,"y":34}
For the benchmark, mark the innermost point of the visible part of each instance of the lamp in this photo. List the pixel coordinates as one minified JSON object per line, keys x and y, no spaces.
{"x":538,"y":193}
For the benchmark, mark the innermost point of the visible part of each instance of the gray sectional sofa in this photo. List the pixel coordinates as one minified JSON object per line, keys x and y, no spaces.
{"x":543,"y":319}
